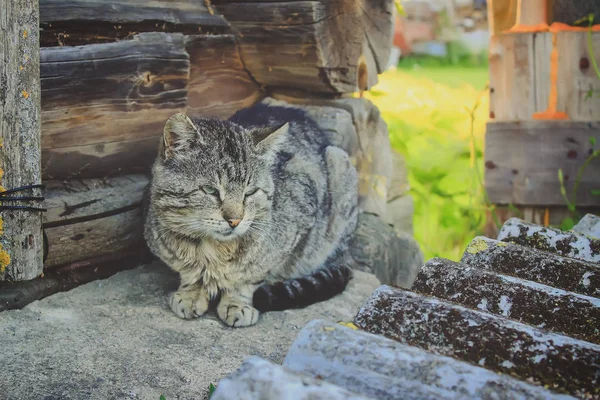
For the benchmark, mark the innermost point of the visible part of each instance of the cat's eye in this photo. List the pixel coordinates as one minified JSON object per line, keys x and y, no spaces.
{"x":210,"y":190}
{"x":251,"y":192}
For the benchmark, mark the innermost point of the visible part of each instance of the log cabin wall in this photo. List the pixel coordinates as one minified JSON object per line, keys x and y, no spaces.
{"x":544,"y":109}
{"x":112,"y":72}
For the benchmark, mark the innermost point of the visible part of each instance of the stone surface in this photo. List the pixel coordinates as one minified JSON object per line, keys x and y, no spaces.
{"x":568,"y":244}
{"x":259,"y":379}
{"x":538,"y":266}
{"x":117,"y":339}
{"x":529,"y":302}
{"x":589,"y":225}
{"x":387,"y":370}
{"x":559,"y":362}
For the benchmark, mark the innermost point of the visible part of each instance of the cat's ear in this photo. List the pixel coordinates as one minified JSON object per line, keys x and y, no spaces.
{"x":178,"y":131}
{"x":267,"y":139}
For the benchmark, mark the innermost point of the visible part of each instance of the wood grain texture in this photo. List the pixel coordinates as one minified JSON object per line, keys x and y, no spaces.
{"x":20,"y":134}
{"x":520,"y":75}
{"x":94,"y":238}
{"x":522,"y":161}
{"x":77,"y":200}
{"x":109,"y":96}
{"x":219,"y":85}
{"x":82,"y":22}
{"x":332,"y":46}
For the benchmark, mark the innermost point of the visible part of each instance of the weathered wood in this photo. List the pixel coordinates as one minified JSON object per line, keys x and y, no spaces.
{"x":526,"y":263}
{"x":544,"y":72}
{"x":528,"y":302}
{"x":81,"y":200}
{"x":567,"y":244}
{"x":93,"y":218}
{"x":219,"y":85}
{"x":103,"y":99}
{"x":16,"y":295}
{"x":94,"y":238}
{"x":334,"y":46}
{"x":387,"y":370}
{"x":21,"y":242}
{"x":522,"y":161}
{"x":81,"y":22}
{"x":558,"y":362}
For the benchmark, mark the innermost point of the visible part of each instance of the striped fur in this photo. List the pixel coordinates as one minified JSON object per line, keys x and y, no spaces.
{"x":302,"y":292}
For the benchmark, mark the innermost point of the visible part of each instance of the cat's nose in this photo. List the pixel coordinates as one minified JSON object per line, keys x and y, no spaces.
{"x":234,"y":222}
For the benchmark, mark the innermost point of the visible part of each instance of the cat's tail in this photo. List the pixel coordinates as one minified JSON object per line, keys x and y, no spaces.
{"x":301,"y":292}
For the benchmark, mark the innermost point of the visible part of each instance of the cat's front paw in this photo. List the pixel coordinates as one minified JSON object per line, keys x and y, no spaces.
{"x":188,"y":304}
{"x":237,"y":315}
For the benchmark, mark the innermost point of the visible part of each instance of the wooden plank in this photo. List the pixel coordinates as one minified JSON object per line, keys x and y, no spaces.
{"x":80,"y":22}
{"x":78,"y":200}
{"x":219,"y":85}
{"x":519,"y":75}
{"x":100,"y":160}
{"x":522,"y":161}
{"x":95,"y":238}
{"x":21,"y":243}
{"x":331,"y":47}
{"x":578,"y":85}
{"x":502,"y":15}
{"x":103,"y":94}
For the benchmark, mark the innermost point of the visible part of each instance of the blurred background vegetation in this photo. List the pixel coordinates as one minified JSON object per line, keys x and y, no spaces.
{"x":436,"y":111}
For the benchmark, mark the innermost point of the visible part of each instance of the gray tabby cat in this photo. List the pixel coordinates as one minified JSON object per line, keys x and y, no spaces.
{"x":257,"y":210}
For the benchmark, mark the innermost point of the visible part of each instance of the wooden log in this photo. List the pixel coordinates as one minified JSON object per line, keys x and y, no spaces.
{"x":387,"y":370}
{"x":329,"y":47}
{"x":219,"y":85}
{"x":526,"y":263}
{"x":528,"y":302}
{"x":21,"y":242}
{"x":502,"y":15}
{"x":522,"y":161}
{"x":82,"y":22}
{"x":558,"y":362}
{"x":531,"y":14}
{"x":92,"y":218}
{"x":567,"y":244}
{"x":104,"y":105}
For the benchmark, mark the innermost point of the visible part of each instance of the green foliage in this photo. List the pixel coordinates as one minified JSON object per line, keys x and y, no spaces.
{"x":211,"y":390}
{"x":162,"y":397}
{"x":436,"y":120}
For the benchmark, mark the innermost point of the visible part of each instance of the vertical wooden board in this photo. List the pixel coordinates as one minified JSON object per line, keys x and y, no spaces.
{"x":502,"y":15}
{"x":578,"y":83}
{"x":219,"y":84}
{"x":519,"y":75}
{"x":21,"y":239}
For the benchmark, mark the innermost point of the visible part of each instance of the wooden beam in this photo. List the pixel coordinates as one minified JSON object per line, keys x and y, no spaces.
{"x":328,"y":46}
{"x":21,"y":239}
{"x":99,"y":99}
{"x":91,"y":218}
{"x":522,"y":161}
{"x":81,"y":22}
{"x":502,"y":15}
{"x":219,"y":84}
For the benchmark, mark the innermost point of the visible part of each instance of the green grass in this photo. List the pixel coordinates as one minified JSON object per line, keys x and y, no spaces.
{"x":428,"y":111}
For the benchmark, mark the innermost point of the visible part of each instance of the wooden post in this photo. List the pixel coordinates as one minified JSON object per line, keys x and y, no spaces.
{"x":21,"y":240}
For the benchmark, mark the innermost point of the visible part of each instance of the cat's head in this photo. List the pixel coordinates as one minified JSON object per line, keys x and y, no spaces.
{"x":212,"y":178}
